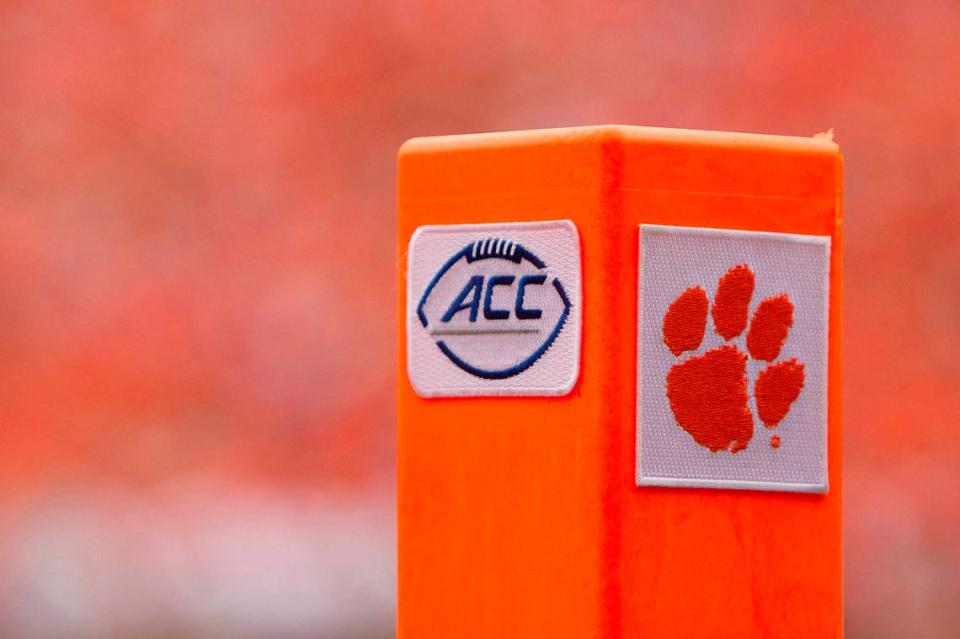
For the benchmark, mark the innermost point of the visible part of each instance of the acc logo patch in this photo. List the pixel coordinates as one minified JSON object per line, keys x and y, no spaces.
{"x":494,"y":309}
{"x":732,"y":359}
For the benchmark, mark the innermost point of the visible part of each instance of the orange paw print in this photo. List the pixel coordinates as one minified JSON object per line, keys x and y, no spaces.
{"x":709,"y":393}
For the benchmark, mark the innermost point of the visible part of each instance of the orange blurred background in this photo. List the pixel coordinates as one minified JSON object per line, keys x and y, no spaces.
{"x":197,"y":266}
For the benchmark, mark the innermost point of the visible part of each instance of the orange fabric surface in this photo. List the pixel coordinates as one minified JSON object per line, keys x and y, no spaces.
{"x":520,"y":516}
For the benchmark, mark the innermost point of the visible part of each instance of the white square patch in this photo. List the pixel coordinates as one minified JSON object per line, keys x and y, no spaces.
{"x":732,"y":359}
{"x":494,"y":309}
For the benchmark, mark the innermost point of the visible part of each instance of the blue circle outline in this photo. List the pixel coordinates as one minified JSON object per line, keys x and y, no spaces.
{"x":494,"y":248}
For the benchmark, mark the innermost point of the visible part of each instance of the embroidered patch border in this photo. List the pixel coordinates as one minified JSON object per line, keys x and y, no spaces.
{"x":494,"y":309}
{"x":732,"y":359}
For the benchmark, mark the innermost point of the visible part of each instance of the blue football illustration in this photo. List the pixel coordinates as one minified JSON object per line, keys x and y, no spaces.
{"x":493,"y":308}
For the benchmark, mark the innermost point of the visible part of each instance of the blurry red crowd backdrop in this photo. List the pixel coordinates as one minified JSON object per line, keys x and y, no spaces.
{"x":196,"y":268}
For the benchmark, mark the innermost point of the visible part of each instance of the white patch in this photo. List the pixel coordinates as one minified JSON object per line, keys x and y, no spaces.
{"x":674,"y":259}
{"x":494,"y":309}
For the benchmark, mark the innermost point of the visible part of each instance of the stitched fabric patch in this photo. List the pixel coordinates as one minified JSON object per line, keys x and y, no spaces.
{"x":732,"y":359}
{"x":494,"y":309}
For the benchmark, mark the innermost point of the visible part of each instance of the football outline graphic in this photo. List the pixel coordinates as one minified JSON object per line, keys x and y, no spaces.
{"x":510,"y":252}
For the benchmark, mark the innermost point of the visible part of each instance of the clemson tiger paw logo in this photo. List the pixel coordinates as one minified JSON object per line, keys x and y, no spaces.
{"x":709,"y":393}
